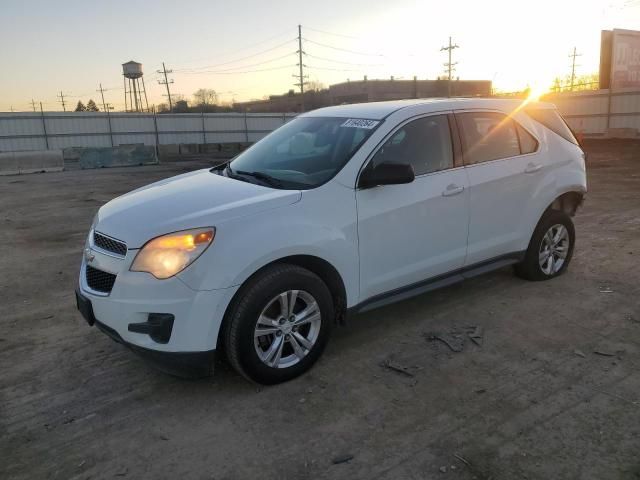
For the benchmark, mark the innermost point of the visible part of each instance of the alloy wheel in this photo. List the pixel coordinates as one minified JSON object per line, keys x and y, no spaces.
{"x":287,"y":329}
{"x":554,"y":249}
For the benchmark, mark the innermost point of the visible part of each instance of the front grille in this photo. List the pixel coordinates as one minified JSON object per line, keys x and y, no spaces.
{"x":109,"y":244}
{"x":100,"y":281}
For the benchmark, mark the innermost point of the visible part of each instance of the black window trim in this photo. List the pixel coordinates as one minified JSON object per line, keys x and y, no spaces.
{"x":457,"y":162}
{"x":486,"y":110}
{"x":518,"y":124}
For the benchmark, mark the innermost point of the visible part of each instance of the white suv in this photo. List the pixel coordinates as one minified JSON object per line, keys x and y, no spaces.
{"x":341,"y":210}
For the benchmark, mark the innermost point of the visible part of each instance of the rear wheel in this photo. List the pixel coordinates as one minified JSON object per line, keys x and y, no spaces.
{"x":279,"y":324}
{"x":550,"y":249}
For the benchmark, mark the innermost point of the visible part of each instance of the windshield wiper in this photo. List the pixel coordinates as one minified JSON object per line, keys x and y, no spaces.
{"x":268,"y":179}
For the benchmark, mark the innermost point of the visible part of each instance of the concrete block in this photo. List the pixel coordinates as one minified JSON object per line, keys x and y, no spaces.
{"x":188,"y":148}
{"x":71,"y":153}
{"x":13,"y":163}
{"x":210,"y":148}
{"x":168,"y":150}
{"x":622,"y":133}
{"x":232,"y":148}
{"x":120,"y":156}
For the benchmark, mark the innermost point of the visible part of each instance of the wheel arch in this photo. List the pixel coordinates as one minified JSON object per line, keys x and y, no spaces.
{"x":567,"y":202}
{"x":321,"y":267}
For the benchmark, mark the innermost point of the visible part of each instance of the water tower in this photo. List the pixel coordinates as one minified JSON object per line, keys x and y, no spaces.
{"x":132,"y":72}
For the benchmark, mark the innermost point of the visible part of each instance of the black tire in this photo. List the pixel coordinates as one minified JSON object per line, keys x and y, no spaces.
{"x":242,"y":317}
{"x":530,"y":268}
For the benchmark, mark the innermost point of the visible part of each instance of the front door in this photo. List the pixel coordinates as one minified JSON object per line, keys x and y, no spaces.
{"x":409,"y":233}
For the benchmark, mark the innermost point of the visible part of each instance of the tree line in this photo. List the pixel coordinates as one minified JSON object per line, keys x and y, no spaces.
{"x":89,"y":107}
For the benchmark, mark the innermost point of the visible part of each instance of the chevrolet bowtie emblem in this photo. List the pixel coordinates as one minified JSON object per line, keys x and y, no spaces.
{"x":88,"y":255}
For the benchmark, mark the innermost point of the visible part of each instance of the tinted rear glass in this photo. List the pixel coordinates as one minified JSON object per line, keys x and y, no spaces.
{"x":487,"y":136}
{"x":553,"y":121}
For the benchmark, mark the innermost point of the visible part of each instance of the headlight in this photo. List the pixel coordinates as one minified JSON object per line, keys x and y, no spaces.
{"x":165,"y":256}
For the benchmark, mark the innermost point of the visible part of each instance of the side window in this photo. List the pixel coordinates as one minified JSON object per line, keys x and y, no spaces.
{"x":528,"y":144}
{"x":424,"y":143}
{"x":551,"y":119}
{"x":487,"y":136}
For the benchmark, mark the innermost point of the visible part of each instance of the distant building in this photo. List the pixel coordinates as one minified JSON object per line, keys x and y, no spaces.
{"x":366,"y":91}
{"x":288,"y":102}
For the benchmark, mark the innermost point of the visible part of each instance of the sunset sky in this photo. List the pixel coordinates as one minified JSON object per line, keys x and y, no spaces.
{"x":246,"y":49}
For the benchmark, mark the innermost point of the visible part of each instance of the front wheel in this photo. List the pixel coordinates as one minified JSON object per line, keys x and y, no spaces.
{"x":279,"y":324}
{"x":550,"y":249}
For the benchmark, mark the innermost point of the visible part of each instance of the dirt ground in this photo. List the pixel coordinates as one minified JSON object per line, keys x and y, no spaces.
{"x":551,"y":392}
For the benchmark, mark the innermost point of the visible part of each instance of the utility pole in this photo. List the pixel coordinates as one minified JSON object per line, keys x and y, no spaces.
{"x":104,"y":105}
{"x":33,"y":104}
{"x":449,"y":64}
{"x":61,"y":97}
{"x":108,"y":109}
{"x":166,"y":82}
{"x":300,"y":76}
{"x":573,"y":66}
{"x":44,"y":127}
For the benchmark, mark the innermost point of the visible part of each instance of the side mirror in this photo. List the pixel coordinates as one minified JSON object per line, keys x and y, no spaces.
{"x":386,"y":174}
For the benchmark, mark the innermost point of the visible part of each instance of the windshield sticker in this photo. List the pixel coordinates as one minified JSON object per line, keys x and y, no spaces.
{"x":360,"y":123}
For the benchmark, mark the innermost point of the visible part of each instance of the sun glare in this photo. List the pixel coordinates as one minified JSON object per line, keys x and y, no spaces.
{"x":535,"y":92}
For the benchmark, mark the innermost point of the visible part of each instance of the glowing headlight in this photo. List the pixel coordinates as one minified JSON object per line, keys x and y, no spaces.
{"x":165,"y":256}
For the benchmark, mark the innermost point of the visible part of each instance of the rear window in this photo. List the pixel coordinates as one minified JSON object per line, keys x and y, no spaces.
{"x":487,"y":136}
{"x":553,"y":121}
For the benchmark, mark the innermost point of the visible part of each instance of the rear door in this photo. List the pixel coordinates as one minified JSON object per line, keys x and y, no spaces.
{"x":409,"y":233}
{"x":504,"y":168}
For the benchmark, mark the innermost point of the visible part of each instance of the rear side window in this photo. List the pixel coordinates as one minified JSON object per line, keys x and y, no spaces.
{"x":487,"y":136}
{"x":424,"y":143}
{"x":553,"y":121}
{"x":528,"y":144}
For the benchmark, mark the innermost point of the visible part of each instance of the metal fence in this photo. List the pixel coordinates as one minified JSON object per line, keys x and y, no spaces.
{"x":56,"y":130}
{"x":591,"y":113}
{"x":600,"y":112}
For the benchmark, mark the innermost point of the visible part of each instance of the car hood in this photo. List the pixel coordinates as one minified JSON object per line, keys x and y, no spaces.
{"x":196,"y":199}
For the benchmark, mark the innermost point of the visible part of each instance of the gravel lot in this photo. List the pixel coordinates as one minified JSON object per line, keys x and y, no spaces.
{"x":551,"y":392}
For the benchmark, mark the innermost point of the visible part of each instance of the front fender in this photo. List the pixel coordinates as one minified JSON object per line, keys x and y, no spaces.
{"x":322,"y":224}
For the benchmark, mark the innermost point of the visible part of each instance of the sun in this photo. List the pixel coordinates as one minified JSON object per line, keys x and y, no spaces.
{"x":535,"y":92}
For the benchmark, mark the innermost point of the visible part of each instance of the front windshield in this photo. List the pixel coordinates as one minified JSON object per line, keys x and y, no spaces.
{"x":306,"y":152}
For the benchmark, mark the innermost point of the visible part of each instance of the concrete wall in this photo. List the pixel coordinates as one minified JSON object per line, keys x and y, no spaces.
{"x":54,"y":130}
{"x":121,"y":156}
{"x":14,"y":163}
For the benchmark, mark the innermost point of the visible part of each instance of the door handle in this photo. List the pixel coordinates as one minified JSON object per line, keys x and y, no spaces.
{"x":452,"y":189}
{"x":532,"y":168}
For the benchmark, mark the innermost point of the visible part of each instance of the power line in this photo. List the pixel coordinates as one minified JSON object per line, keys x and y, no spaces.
{"x":248,"y":47}
{"x":449,"y":65}
{"x":331,"y":33}
{"x":237,"y":59}
{"x":240,"y":67}
{"x":241,"y":72}
{"x":342,"y":49}
{"x":165,"y":82}
{"x":334,"y":69}
{"x":346,"y":63}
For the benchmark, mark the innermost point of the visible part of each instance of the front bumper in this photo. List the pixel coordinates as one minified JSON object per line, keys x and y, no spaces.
{"x":182,"y":364}
{"x":166,"y":321}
